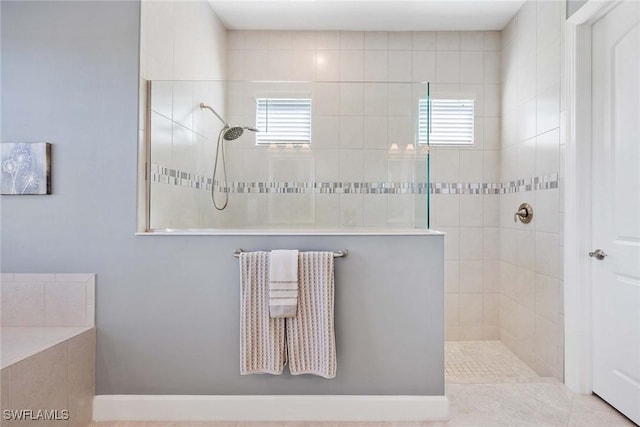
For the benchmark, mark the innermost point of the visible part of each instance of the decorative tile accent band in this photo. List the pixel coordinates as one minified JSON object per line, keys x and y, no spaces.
{"x":163,"y":175}
{"x":545,"y":182}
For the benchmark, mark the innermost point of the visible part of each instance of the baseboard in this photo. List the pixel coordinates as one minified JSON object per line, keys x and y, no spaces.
{"x":270,"y":408}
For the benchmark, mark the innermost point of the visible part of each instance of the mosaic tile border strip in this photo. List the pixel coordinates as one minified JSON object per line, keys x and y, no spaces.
{"x":164,"y":175}
{"x":545,"y":182}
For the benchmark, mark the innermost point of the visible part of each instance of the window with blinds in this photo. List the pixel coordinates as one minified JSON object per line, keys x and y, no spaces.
{"x":283,"y":120}
{"x":451,"y":122}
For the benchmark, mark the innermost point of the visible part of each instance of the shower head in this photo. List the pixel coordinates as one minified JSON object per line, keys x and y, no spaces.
{"x":231,"y":132}
{"x":235,"y":132}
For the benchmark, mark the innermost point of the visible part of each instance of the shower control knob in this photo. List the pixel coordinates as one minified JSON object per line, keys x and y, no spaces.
{"x":524,"y":213}
{"x":598,"y":254}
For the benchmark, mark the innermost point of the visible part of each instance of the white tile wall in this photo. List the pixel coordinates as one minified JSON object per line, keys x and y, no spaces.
{"x":363,"y":104}
{"x":492,"y":41}
{"x":531,"y":257}
{"x":351,"y":65}
{"x":472,"y":40}
{"x":376,"y":40}
{"x":48,"y":299}
{"x":491,"y":277}
{"x":423,"y":40}
{"x":424,"y":66}
{"x":472,"y":210}
{"x":448,"y":40}
{"x":375,"y":211}
{"x":471,"y":243}
{"x":352,"y":100}
{"x":400,"y":65}
{"x":376,"y":65}
{"x":471,"y":277}
{"x":351,"y":40}
{"x":468,"y":62}
{"x":351,"y":132}
{"x":448,"y":67}
{"x":400,"y":40}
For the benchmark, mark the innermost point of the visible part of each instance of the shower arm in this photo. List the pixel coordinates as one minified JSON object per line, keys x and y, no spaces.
{"x":203,"y":106}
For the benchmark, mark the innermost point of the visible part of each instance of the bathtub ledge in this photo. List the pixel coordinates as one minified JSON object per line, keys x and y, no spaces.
{"x":21,"y":342}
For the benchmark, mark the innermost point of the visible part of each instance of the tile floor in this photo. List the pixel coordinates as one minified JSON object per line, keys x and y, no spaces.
{"x":484,"y":362}
{"x":487,"y":386}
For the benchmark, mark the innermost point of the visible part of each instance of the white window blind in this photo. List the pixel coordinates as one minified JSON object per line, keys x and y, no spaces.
{"x":283,"y":120}
{"x":451,"y":121}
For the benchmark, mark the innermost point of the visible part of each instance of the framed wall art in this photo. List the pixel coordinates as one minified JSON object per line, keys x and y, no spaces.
{"x":26,"y":168}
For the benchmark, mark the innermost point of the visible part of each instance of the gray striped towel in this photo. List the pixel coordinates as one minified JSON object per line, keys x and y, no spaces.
{"x":283,"y":283}
{"x":310,"y":335}
{"x":262,"y":338}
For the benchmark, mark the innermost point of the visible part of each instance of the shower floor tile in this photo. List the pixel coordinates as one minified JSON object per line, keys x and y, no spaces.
{"x":488,"y":362}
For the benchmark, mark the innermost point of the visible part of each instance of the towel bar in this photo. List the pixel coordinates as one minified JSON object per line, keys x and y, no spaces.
{"x":337,"y":254}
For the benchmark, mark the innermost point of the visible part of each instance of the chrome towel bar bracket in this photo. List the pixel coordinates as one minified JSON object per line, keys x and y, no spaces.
{"x":336,"y":254}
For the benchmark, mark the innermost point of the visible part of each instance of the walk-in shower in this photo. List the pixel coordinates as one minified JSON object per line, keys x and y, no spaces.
{"x":227,"y":133}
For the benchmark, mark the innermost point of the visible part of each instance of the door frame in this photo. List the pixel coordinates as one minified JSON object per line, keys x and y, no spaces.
{"x":577,"y":196}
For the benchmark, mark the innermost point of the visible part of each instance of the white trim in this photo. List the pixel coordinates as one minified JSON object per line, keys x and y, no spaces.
{"x":270,"y":408}
{"x":578,"y":187}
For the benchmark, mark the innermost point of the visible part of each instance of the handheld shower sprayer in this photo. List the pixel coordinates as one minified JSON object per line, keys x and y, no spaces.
{"x":227,"y":133}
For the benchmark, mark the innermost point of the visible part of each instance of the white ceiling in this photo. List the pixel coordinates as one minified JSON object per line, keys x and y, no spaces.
{"x":366,"y":15}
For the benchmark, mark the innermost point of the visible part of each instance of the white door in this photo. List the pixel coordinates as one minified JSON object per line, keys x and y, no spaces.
{"x":616,"y":207}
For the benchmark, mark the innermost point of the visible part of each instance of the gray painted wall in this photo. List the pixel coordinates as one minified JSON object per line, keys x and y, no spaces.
{"x":573,"y":6}
{"x":167,"y":307}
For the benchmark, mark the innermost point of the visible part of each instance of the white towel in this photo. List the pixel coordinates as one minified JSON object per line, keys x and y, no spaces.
{"x":283,"y":283}
{"x":310,"y":335}
{"x":262,"y":339}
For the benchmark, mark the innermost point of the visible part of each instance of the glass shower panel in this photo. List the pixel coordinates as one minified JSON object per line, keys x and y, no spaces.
{"x":366,"y":165}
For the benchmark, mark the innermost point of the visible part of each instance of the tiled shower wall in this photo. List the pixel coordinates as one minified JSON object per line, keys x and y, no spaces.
{"x":365,"y":78}
{"x":371,"y":180}
{"x":531,"y":304}
{"x":183,"y":42}
{"x":468,"y":62}
{"x":364,"y":125}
